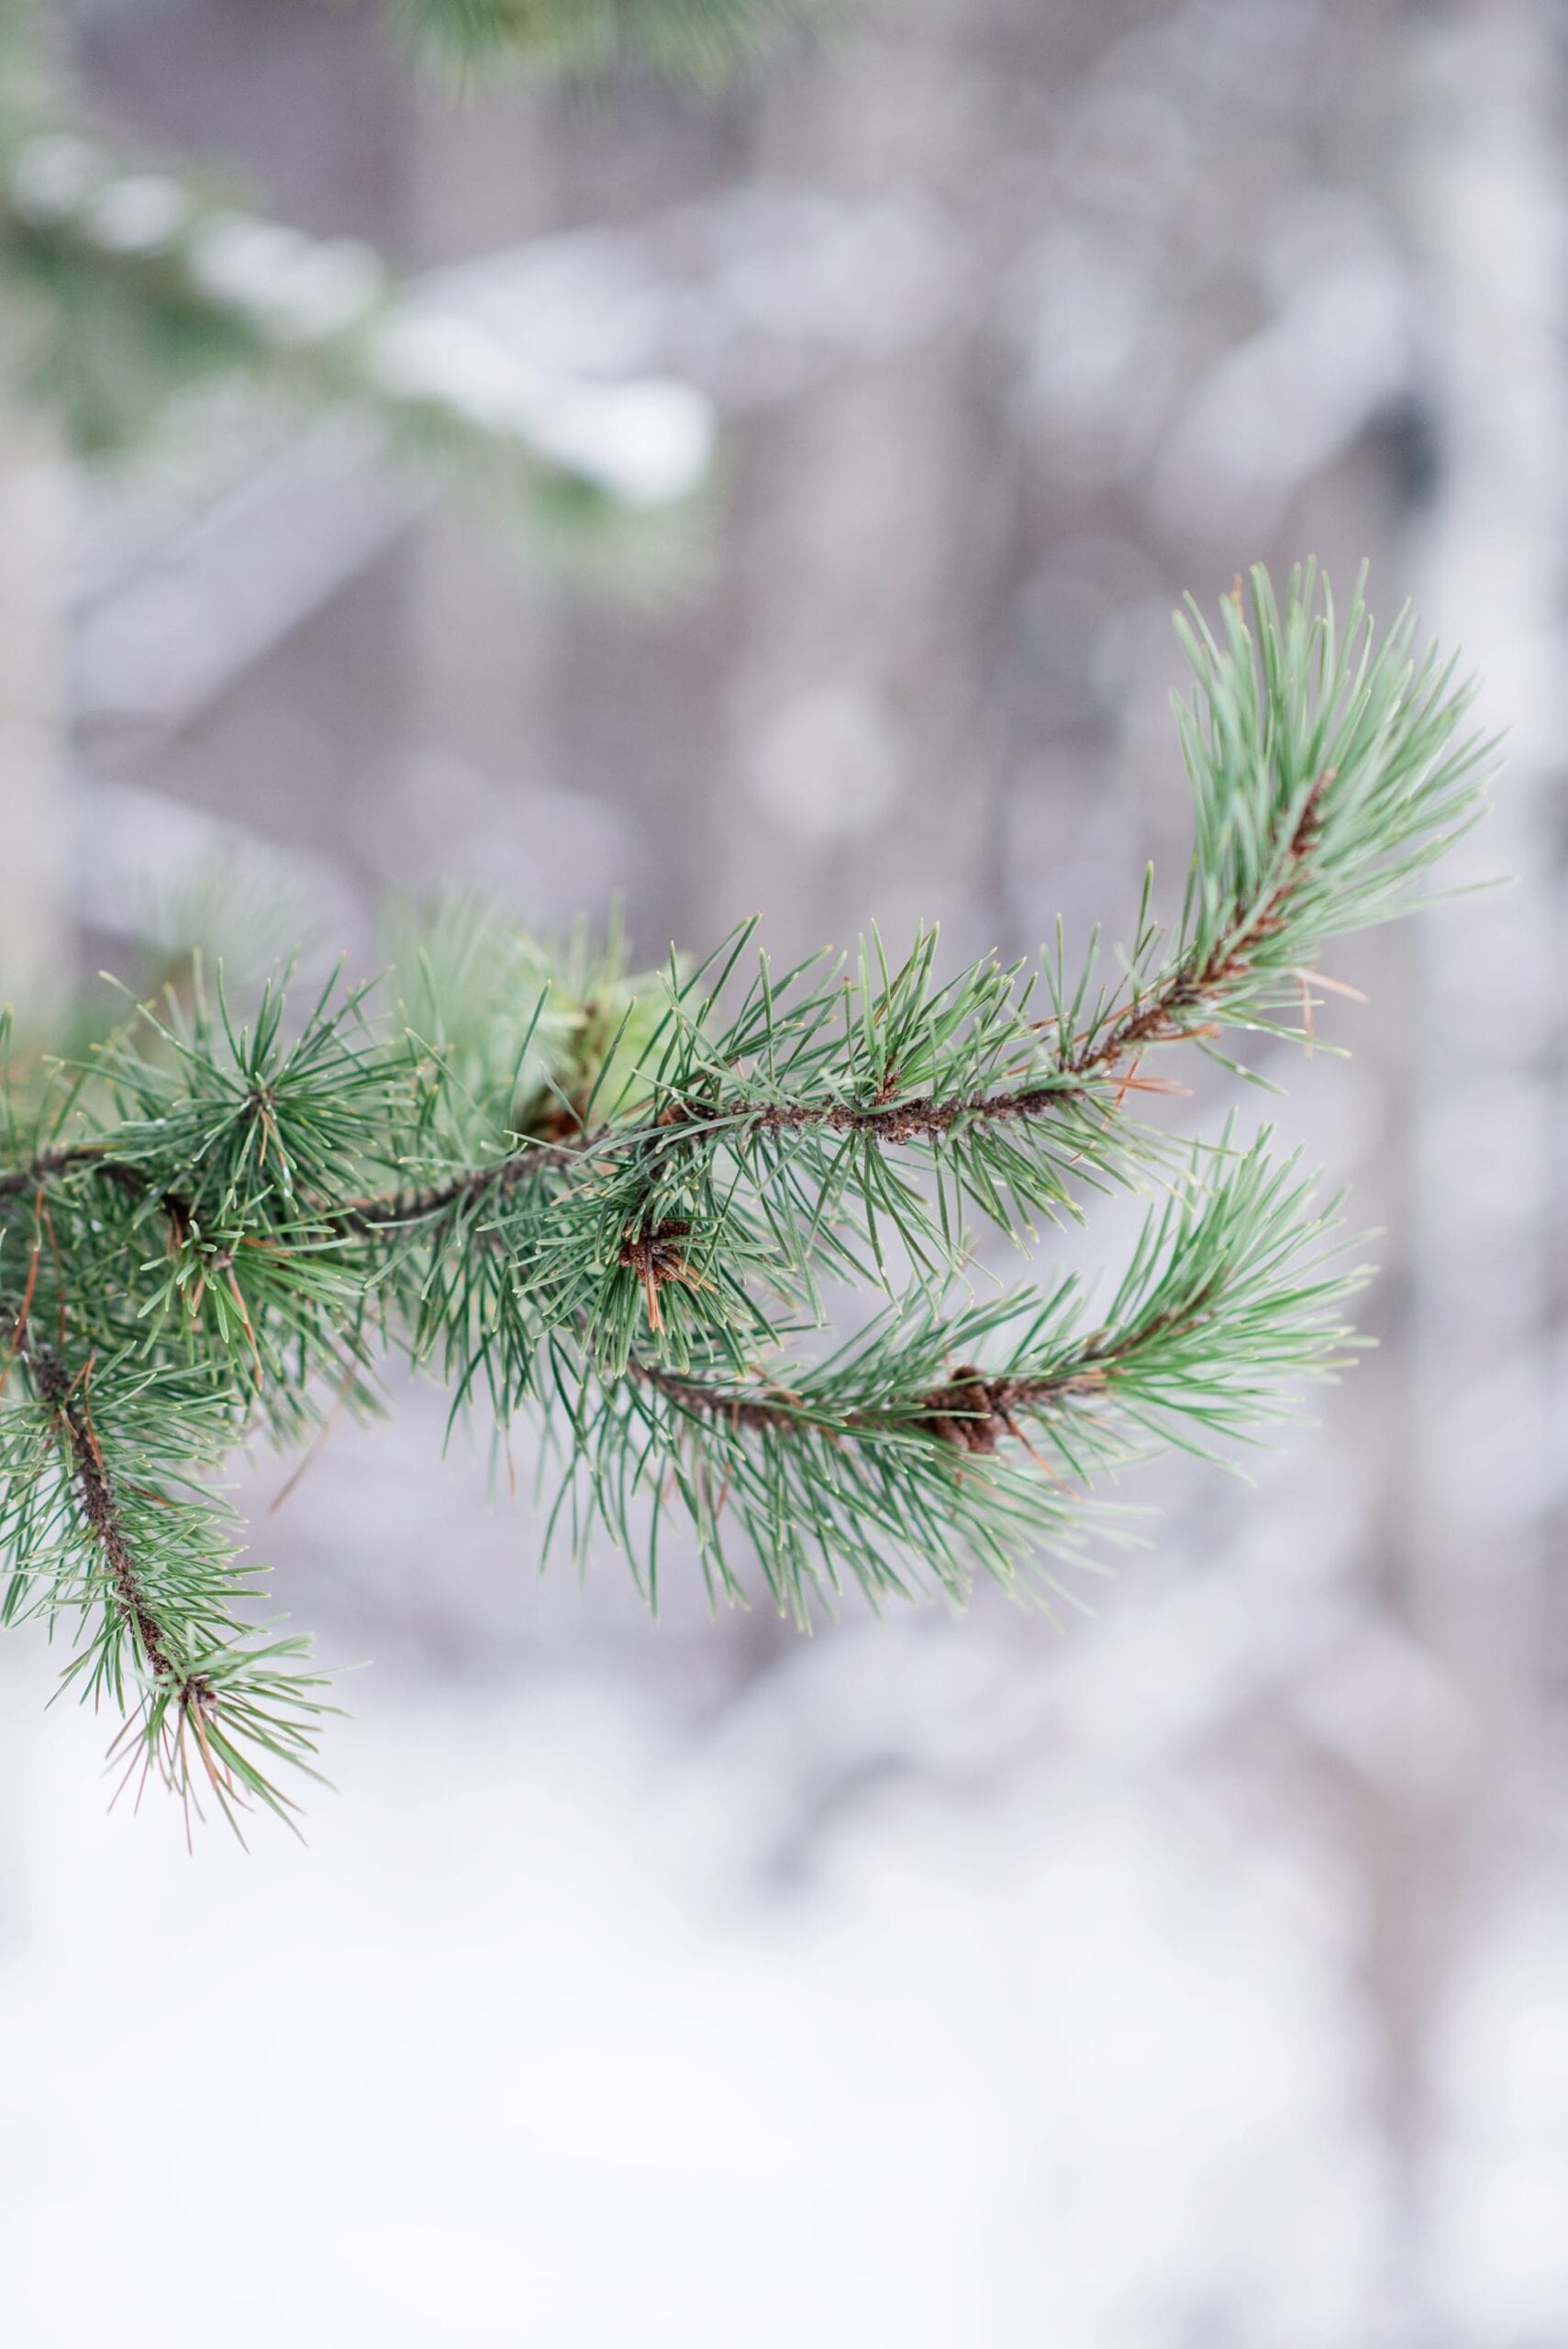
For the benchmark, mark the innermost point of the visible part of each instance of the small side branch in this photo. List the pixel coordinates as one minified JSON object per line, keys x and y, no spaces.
{"x":969,"y":1411}
{"x":466,"y":1187}
{"x":67,"y":1399}
{"x":19,"y":1181}
{"x":1175,"y":1009}
{"x":75,"y":1158}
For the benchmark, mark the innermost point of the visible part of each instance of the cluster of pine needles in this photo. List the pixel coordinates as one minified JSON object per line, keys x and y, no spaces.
{"x":630,"y":1205}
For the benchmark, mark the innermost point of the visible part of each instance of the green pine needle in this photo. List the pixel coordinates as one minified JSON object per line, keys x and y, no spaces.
{"x":613,"y":1201}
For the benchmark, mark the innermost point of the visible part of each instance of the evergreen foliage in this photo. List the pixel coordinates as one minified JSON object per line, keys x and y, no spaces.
{"x":132,"y":286}
{"x":696,"y":39}
{"x":622,"y":1205}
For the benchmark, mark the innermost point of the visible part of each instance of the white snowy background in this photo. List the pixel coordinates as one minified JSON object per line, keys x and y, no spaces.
{"x":1196,"y":1977}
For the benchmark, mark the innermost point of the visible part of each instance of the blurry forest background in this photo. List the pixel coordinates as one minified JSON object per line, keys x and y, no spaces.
{"x":1192,"y":1978}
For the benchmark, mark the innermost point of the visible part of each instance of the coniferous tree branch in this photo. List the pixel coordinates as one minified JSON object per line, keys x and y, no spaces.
{"x":65,"y":1159}
{"x":136,"y":284}
{"x":102,"y":1521}
{"x":898,"y":1458}
{"x":692,"y":39}
{"x":142,"y":285}
{"x":67,"y":1399}
{"x":1327,"y":779}
{"x":612,"y":1202}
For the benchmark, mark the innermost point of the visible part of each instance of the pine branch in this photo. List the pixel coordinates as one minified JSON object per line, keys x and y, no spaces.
{"x":122,"y":1538}
{"x":143,"y":284}
{"x":67,"y":1399}
{"x":396,"y":1210}
{"x":611,"y":1200}
{"x":901,"y":1456}
{"x":702,"y":40}
{"x":1192,"y":997}
{"x":67,"y":1160}
{"x":1326,"y":778}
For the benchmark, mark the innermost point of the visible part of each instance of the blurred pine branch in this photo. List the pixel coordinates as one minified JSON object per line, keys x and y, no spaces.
{"x":134,"y":285}
{"x":702,"y":40}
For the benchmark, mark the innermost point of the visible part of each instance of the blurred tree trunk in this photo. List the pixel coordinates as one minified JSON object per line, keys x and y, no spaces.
{"x":34,"y":502}
{"x":1486,"y":195}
